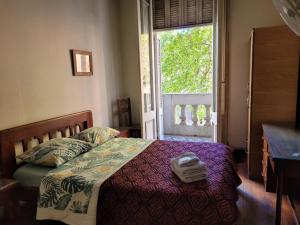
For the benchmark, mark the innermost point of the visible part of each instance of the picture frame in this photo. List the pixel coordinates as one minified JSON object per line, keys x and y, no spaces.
{"x":82,"y":63}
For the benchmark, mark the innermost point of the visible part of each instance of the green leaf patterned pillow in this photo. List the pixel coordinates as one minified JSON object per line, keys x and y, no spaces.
{"x":55,"y":152}
{"x":97,"y":135}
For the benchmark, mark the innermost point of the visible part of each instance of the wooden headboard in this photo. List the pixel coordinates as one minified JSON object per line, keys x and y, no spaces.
{"x":24,"y":134}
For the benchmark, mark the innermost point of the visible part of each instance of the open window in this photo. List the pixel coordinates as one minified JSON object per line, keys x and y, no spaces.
{"x":187,"y":104}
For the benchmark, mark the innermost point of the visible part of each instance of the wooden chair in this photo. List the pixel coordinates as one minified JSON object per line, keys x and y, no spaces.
{"x":125,"y":120}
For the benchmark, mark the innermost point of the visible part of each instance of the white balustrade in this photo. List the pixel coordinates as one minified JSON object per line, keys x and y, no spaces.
{"x":207,"y":115}
{"x":184,"y":109}
{"x":195,"y":116}
{"x":182,"y":115}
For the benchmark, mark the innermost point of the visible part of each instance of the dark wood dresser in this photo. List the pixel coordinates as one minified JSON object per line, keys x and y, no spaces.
{"x":272,"y":85}
{"x":281,"y":161}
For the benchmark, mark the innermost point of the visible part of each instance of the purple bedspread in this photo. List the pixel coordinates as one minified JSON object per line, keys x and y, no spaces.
{"x":146,"y":192}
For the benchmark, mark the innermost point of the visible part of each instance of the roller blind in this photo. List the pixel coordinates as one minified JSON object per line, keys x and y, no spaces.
{"x":181,"y":13}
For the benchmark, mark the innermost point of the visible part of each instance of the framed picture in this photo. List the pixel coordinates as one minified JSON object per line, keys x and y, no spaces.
{"x":82,"y":63}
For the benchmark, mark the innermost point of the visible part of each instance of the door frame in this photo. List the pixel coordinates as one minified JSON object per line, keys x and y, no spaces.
{"x":221,"y":73}
{"x":147,"y":117}
{"x":158,"y":92}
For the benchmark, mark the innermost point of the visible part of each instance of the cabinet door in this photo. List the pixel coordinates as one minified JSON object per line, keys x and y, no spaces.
{"x":273,"y":85}
{"x":147,"y":71}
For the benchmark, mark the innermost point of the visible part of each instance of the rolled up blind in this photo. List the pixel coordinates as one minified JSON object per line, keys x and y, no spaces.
{"x":181,"y":13}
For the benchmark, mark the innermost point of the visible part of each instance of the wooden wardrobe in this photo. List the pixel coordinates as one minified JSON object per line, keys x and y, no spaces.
{"x":273,"y":85}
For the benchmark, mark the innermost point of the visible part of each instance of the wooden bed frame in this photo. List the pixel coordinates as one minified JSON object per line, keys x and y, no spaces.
{"x":24,"y":134}
{"x":38,"y":130}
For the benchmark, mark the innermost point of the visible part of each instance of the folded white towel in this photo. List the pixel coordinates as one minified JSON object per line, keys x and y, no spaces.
{"x":186,"y":159}
{"x":188,"y":179}
{"x":199,"y":168}
{"x":189,"y":168}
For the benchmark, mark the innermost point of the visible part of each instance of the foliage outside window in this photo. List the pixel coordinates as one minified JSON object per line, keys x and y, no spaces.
{"x":186,"y":60}
{"x":187,"y":64}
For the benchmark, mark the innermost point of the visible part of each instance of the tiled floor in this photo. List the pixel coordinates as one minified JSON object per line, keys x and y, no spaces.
{"x":185,"y":138}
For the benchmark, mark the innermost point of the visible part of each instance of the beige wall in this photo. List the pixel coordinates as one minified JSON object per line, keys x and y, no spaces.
{"x":36,"y":79}
{"x":130,"y":56}
{"x":243,"y":16}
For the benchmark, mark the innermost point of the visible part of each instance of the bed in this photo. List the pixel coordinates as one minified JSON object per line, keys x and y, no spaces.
{"x":144,"y":191}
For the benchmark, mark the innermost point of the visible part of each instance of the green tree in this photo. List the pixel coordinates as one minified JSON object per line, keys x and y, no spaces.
{"x":186,"y":60}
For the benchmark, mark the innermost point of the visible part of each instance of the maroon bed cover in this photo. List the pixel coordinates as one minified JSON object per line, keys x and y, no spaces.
{"x":146,"y":192}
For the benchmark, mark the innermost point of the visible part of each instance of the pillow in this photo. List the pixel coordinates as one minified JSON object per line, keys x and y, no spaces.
{"x":55,"y":152}
{"x":97,"y":135}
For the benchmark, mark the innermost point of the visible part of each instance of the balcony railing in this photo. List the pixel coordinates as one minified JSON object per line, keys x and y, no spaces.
{"x":187,"y":114}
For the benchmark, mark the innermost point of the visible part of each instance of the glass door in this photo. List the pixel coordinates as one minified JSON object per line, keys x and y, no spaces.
{"x":147,"y":72}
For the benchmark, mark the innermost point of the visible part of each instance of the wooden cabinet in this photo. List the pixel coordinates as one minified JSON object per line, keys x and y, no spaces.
{"x":272,"y":86}
{"x":268,"y":168}
{"x":133,"y":132}
{"x":124,"y":133}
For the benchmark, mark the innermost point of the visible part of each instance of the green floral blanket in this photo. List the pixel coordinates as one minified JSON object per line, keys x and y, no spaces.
{"x":70,"y":192}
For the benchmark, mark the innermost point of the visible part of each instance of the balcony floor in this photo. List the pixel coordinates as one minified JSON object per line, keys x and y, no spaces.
{"x":168,"y":137}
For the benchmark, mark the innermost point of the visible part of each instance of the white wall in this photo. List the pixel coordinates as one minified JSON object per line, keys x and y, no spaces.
{"x":243,"y":16}
{"x":130,"y":56}
{"x":36,"y":79}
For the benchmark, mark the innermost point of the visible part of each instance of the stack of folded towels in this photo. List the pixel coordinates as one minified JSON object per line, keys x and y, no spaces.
{"x":189,"y":168}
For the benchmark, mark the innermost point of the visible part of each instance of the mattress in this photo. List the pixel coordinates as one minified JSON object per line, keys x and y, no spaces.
{"x":31,"y":175}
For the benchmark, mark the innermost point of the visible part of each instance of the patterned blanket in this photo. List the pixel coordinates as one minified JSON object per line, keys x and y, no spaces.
{"x":70,"y":192}
{"x":146,"y":191}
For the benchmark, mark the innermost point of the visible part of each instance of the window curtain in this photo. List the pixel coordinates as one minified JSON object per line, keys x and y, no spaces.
{"x":181,"y":13}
